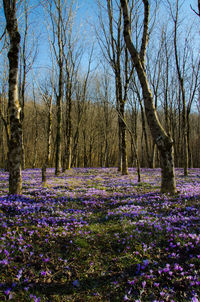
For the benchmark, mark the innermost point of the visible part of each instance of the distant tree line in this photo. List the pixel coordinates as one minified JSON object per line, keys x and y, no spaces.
{"x":95,"y":135}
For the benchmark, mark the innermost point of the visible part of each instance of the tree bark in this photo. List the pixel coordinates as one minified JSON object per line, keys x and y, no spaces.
{"x":15,"y":142}
{"x":44,"y":174}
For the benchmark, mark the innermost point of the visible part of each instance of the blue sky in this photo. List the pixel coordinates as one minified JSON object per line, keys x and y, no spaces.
{"x":86,"y":17}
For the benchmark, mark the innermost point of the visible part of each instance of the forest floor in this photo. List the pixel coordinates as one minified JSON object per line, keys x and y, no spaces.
{"x":94,"y":235}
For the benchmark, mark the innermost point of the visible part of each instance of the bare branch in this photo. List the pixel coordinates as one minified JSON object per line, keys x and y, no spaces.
{"x":197,"y":13}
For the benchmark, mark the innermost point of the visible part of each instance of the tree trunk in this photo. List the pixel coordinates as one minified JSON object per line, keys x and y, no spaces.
{"x":22,"y":99}
{"x":144,"y":130}
{"x":123,"y":141}
{"x":59,"y":124}
{"x":185,"y":140}
{"x":69,"y":152}
{"x":68,"y":129}
{"x":23,"y":153}
{"x":2,"y":149}
{"x":106,"y":159}
{"x":160,"y":137}
{"x":167,"y":166}
{"x":48,"y":142}
{"x":23,"y":84}
{"x":135,"y":150}
{"x":15,"y":143}
{"x":90,"y":154}
{"x":122,"y":126}
{"x":190,"y":161}
{"x":181,"y":83}
{"x":5,"y":144}
{"x":35,"y":144}
{"x":49,"y":133}
{"x":57,"y":24}
{"x":120,"y":146}
{"x":74,"y":150}
{"x":153,"y":158}
{"x":85,"y":159}
{"x":44,"y":174}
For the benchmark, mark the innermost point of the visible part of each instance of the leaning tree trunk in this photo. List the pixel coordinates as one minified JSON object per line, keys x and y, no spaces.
{"x":15,"y":142}
{"x":160,"y":137}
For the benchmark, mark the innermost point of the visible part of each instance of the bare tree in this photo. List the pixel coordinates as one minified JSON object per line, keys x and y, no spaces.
{"x":48,"y":100}
{"x":73,"y":55}
{"x":163,"y":141}
{"x":186,"y":99}
{"x":114,"y":50}
{"x":103,"y":95}
{"x":81,"y":94}
{"x":60,"y":15}
{"x":182,"y":88}
{"x":28,"y":53}
{"x":36,"y":129}
{"x":15,"y":142}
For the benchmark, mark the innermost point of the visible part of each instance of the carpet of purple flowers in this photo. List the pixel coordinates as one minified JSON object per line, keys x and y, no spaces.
{"x":94,"y":235}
